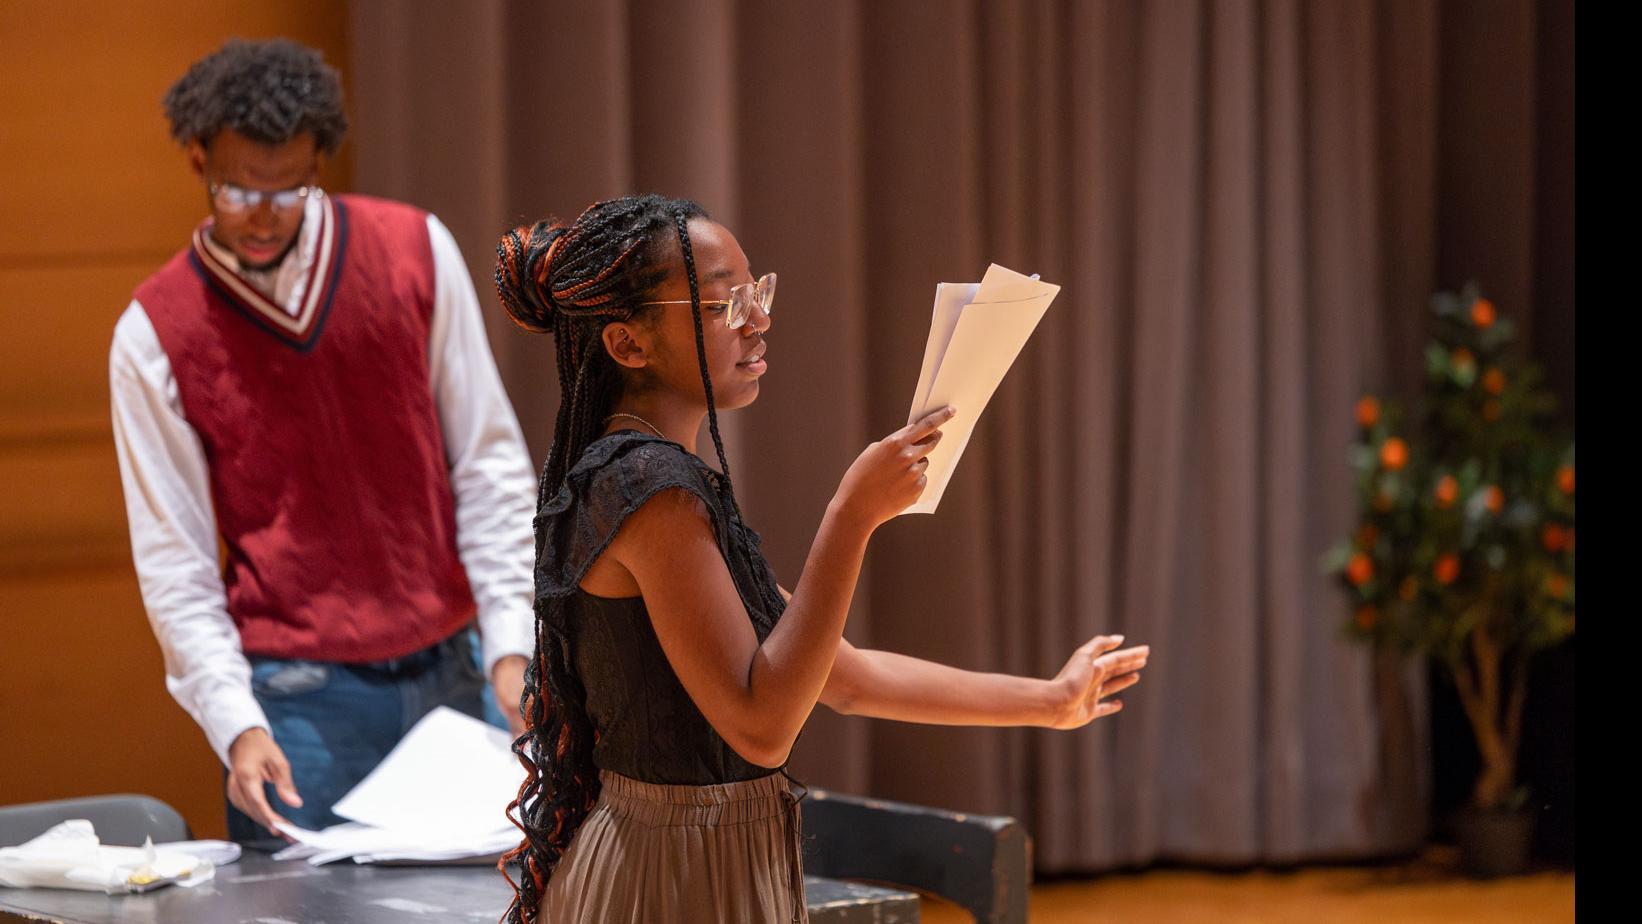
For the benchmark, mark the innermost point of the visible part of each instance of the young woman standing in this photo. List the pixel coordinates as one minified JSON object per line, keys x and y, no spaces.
{"x":672,"y":674}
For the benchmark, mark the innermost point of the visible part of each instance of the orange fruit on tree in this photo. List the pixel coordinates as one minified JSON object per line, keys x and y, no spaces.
{"x":1565,"y":479}
{"x":1367,"y":616}
{"x":1394,"y":453}
{"x":1360,"y":569}
{"x":1553,"y":537}
{"x":1448,"y":491}
{"x":1493,"y":381}
{"x":1366,"y":535}
{"x":1495,"y":500}
{"x":1368,"y":411}
{"x":1482,"y":312}
{"x":1447,"y":568}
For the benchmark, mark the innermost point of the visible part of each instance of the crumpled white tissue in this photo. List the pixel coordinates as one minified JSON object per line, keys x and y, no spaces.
{"x":69,"y":856}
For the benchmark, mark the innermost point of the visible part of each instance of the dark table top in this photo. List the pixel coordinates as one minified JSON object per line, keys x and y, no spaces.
{"x":260,"y":890}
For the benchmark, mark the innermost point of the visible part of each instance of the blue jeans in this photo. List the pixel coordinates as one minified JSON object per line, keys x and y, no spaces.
{"x":335,"y":722}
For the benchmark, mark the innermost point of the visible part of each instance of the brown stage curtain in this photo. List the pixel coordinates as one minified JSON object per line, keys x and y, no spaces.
{"x":1240,"y":198}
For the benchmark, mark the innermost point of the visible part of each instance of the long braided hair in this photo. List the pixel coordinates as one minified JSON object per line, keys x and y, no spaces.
{"x":570,"y":281}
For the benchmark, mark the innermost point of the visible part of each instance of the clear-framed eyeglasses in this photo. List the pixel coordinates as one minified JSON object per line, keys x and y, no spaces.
{"x":740,"y":303}
{"x":237,"y":199}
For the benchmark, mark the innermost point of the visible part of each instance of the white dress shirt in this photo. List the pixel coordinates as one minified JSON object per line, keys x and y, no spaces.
{"x":173,"y":525}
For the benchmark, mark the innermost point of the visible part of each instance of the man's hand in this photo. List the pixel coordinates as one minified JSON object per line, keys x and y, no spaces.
{"x":507,"y":683}
{"x":254,"y":759}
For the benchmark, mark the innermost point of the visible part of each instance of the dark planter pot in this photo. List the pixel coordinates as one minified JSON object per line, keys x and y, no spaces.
{"x":1493,"y":842}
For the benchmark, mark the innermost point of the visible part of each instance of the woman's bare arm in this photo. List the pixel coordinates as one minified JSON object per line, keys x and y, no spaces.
{"x":887,"y":685}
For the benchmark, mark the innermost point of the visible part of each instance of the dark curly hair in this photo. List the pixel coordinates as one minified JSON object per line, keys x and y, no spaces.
{"x":269,"y":91}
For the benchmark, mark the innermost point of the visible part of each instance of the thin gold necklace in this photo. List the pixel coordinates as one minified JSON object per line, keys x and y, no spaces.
{"x":639,"y":419}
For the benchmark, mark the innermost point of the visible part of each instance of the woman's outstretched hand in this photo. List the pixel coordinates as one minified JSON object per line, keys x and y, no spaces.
{"x":888,"y":476}
{"x":1095,"y":671}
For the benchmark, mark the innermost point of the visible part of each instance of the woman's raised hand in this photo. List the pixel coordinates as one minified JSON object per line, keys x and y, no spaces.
{"x":888,"y":476}
{"x":1096,"y":670}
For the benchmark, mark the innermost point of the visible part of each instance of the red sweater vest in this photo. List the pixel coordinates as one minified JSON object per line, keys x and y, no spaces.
{"x":328,"y":467}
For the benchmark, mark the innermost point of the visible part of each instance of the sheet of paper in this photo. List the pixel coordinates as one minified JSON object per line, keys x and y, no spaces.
{"x":950,"y":299}
{"x":441,"y":793}
{"x":366,"y":844}
{"x":971,"y":345}
{"x":451,"y":776}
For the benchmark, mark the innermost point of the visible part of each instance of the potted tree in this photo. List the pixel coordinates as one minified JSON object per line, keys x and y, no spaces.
{"x":1464,"y":546}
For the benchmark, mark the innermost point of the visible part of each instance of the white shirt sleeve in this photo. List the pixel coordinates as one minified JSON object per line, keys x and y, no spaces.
{"x":174,"y":537}
{"x":490,"y":469}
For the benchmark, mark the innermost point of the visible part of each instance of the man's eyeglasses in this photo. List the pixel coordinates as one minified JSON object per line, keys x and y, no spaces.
{"x":741,"y":301}
{"x":238,"y":200}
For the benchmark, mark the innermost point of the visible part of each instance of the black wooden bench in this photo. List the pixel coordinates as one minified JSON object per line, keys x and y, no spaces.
{"x":980,"y":862}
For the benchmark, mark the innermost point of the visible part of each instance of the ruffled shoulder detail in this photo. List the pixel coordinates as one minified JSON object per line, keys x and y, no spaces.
{"x":616,"y":475}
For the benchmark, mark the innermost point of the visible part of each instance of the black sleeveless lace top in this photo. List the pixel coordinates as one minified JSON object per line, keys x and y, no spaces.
{"x":648,"y":727}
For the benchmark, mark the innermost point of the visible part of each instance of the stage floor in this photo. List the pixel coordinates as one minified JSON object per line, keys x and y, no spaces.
{"x":1429,"y":890}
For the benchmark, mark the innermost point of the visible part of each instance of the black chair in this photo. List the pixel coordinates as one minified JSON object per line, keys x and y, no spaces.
{"x":980,"y":862}
{"x":120,"y":820}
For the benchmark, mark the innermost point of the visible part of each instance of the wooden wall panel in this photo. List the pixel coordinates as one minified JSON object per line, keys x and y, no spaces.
{"x":56,"y":324}
{"x":90,"y":163}
{"x":83,"y":705}
{"x":63,"y":510}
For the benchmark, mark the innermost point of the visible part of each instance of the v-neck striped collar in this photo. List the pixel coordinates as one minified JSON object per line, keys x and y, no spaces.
{"x":299,"y":330}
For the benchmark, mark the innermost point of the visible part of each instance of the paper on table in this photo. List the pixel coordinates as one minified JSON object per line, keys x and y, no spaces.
{"x":441,"y":793}
{"x":367,"y":843}
{"x":451,"y":775}
{"x":974,"y":337}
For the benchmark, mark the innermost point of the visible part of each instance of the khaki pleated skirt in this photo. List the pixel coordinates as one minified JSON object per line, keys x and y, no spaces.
{"x":728,"y":853}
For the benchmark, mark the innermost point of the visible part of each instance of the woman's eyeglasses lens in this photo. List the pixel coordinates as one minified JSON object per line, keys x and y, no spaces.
{"x":744,"y":296}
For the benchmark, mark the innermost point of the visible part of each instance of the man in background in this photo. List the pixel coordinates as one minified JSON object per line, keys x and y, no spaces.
{"x":308,"y":380}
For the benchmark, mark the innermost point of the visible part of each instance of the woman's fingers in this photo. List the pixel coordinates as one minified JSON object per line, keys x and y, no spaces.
{"x":1101,"y":691}
{"x":929,"y":442}
{"x":1122,"y":662}
{"x":927,"y":424}
{"x":890,"y":475}
{"x":1093,"y":648}
{"x":1117,"y":685}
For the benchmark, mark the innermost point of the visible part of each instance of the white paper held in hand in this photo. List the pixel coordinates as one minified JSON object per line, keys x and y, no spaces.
{"x":977,"y":331}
